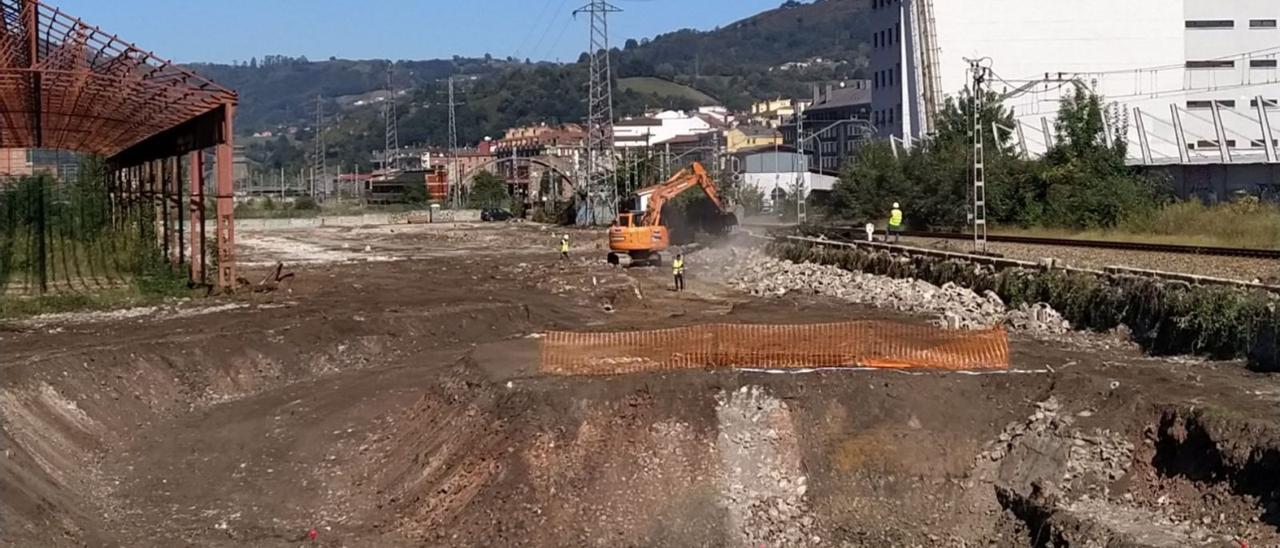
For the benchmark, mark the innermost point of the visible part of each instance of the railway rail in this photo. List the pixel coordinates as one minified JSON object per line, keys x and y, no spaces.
{"x":1255,"y":253}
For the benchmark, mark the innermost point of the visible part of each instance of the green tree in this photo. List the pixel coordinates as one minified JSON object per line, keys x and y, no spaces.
{"x":488,"y":191}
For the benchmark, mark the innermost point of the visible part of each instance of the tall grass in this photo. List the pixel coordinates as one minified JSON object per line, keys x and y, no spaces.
{"x":1244,"y":223}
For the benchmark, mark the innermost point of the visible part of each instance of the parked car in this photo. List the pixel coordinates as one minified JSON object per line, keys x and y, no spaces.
{"x":494,"y":214}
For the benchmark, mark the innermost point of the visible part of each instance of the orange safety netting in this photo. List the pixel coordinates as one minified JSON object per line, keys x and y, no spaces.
{"x":845,"y":344}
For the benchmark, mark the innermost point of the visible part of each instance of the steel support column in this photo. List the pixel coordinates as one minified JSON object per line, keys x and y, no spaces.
{"x":1223,"y":150}
{"x":226,"y":204}
{"x":1184,"y":153}
{"x":1143,"y":143}
{"x":195,"y":175}
{"x":175,"y":176}
{"x":1264,"y":123}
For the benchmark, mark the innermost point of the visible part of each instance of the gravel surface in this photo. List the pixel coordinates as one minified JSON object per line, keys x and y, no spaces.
{"x":1238,"y":268}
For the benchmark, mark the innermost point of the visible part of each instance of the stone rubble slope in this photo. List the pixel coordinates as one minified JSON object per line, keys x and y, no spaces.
{"x":954,"y":307}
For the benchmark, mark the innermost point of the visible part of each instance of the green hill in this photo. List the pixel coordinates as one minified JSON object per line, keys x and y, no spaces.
{"x":731,"y":65}
{"x":647,"y":85}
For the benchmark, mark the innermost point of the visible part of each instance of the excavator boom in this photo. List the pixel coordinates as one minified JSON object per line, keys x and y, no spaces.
{"x":689,"y":177}
{"x":641,"y":239}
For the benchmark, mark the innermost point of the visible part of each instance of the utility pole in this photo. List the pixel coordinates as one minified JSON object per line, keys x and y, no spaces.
{"x":801,"y":214}
{"x":319,"y":162}
{"x":602,"y":190}
{"x":455,"y":186}
{"x":391,"y":144}
{"x":978,"y":72}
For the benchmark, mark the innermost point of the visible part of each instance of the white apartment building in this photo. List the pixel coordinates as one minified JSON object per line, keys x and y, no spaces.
{"x":664,"y":126}
{"x":1166,"y":63}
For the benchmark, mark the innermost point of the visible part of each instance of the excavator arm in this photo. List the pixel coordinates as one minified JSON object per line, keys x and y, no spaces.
{"x":689,"y":177}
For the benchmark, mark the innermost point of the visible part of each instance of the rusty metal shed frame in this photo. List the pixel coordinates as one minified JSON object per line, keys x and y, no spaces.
{"x":65,"y":84}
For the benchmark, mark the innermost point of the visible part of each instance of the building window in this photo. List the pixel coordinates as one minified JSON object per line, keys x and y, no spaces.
{"x":1270,"y":103}
{"x":1215,"y":64}
{"x":1212,"y":24}
{"x":897,"y":33}
{"x":1201,"y":105}
{"x":1231,"y":143}
{"x":1262,"y":23}
{"x":1262,"y":63}
{"x":1259,"y":143}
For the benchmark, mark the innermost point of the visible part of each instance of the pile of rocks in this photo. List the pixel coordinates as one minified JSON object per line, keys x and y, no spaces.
{"x":1091,"y":459}
{"x":1039,"y":317}
{"x":952,"y":306}
{"x":763,"y":487}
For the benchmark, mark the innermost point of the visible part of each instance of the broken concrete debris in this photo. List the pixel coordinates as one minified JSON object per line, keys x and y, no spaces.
{"x":952,"y":306}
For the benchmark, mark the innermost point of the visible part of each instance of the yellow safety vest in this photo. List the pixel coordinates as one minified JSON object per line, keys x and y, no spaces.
{"x":564,"y":246}
{"x":895,"y":217}
{"x":677,"y":266}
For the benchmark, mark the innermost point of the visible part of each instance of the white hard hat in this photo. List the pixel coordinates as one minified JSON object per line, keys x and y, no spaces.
{"x":895,"y":204}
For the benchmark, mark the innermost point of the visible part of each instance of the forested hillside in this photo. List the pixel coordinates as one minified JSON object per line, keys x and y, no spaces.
{"x":780,"y":52}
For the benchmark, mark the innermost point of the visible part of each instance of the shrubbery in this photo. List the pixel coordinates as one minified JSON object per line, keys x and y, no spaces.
{"x":1082,"y":182}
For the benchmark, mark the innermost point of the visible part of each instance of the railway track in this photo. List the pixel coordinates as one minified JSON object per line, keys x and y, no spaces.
{"x":1254,"y":253}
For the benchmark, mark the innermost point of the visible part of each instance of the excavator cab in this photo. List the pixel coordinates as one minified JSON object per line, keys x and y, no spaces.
{"x":631,"y":241}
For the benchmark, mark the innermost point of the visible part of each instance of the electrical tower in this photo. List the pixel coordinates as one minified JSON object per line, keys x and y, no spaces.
{"x":455,"y":186}
{"x":391,"y":145}
{"x":601,"y":190}
{"x":319,"y":162}
{"x":979,"y":212}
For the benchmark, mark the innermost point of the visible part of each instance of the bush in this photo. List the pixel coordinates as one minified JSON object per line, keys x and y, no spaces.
{"x":1080,"y":183}
{"x":305,"y":203}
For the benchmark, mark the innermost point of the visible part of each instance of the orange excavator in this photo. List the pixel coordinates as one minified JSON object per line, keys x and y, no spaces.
{"x":640,"y":237}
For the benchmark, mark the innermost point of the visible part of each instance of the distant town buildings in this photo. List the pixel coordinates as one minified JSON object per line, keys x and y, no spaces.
{"x":772,"y":113}
{"x":831,"y":130}
{"x":24,"y":162}
{"x":660,"y":127}
{"x":749,"y":136}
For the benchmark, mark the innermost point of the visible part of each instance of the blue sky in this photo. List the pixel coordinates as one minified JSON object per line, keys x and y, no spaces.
{"x":223,"y":30}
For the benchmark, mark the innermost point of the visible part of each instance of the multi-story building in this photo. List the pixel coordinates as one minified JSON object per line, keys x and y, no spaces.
{"x":541,"y":140}
{"x":1163,"y":64}
{"x":750,"y":136}
{"x":831,"y":130}
{"x":653,"y":130}
{"x":773,"y":112}
{"x":22,"y":162}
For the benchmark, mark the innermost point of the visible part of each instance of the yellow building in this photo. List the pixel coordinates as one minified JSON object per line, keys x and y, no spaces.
{"x":745,"y":137}
{"x":775,"y":112}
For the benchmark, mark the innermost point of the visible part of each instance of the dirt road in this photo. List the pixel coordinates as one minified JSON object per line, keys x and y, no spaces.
{"x":389,"y":395}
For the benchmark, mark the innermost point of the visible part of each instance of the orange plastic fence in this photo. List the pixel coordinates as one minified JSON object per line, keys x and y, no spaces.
{"x":846,"y":344}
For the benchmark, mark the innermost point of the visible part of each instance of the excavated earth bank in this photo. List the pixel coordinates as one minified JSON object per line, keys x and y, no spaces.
{"x":398,"y":403}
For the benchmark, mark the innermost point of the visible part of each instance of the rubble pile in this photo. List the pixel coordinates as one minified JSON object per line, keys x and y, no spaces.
{"x":1039,"y":317}
{"x":765,"y":488}
{"x":953,"y":307}
{"x":1092,"y":459}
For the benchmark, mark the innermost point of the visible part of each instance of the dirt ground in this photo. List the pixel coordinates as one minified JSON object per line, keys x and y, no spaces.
{"x":389,"y":395}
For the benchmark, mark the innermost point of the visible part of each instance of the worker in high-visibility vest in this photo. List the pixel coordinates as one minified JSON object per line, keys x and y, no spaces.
{"x":895,"y":224}
{"x":677,"y":270}
{"x":564,"y":247}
